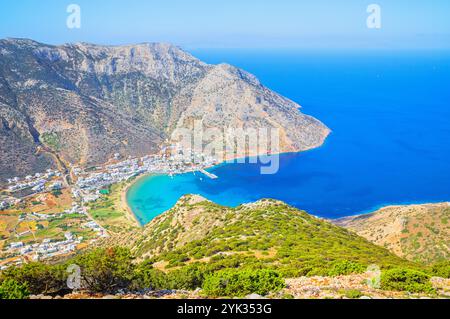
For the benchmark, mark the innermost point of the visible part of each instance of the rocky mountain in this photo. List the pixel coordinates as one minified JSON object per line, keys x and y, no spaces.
{"x":419,"y":233}
{"x":81,"y":103}
{"x":266,"y":232}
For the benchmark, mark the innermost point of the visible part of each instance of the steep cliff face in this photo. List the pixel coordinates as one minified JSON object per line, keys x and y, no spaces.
{"x":87,"y":102}
{"x":227,"y":97}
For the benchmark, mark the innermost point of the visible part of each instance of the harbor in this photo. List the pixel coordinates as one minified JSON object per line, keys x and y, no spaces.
{"x":208,"y":174}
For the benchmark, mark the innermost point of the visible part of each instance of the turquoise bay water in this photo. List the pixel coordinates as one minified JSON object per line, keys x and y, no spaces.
{"x":389,"y":112}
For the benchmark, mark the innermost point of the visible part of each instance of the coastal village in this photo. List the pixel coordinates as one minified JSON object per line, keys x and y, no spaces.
{"x":44,"y":216}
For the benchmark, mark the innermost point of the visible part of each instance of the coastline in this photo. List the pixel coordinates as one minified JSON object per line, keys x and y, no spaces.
{"x":367,"y":212}
{"x":124,"y":203}
{"x":231,"y":160}
{"x":380,"y":207}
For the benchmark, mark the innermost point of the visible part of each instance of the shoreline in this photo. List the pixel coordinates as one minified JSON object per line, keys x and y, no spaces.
{"x":124,"y":203}
{"x":391,"y":205}
{"x":226,"y":161}
{"x":369,"y":211}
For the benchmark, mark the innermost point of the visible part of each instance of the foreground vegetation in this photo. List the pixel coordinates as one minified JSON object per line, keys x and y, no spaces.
{"x":224,"y":251}
{"x":112,"y":269}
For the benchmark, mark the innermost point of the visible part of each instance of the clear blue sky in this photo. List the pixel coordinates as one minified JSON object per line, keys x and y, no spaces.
{"x":233,"y":23}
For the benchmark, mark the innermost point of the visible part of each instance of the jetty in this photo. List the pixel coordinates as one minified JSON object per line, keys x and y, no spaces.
{"x":210,"y":175}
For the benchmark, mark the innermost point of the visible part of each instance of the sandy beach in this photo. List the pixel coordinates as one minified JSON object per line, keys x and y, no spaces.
{"x":124,"y":205}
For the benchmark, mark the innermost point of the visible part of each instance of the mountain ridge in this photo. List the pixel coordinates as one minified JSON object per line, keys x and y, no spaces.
{"x":267,"y":231}
{"x":87,"y":102}
{"x":415,"y":232}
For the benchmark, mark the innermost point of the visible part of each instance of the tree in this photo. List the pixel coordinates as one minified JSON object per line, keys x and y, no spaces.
{"x":38,"y":277}
{"x":147,"y":277}
{"x":11,"y":289}
{"x":441,"y":269}
{"x":189,"y":277}
{"x":106,"y":270}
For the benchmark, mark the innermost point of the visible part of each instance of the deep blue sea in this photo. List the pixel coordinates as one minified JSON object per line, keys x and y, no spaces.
{"x":389,"y":113}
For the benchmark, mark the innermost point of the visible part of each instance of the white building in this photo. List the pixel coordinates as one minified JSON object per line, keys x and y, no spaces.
{"x":69,"y":236}
{"x":16,"y":245}
{"x":4,"y":205}
{"x":56,"y":186}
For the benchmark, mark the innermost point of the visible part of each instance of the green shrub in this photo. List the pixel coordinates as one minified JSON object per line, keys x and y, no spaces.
{"x":441,"y":269}
{"x":106,"y":270}
{"x":52,"y":140}
{"x":177,"y":260}
{"x":189,"y":277}
{"x":241,"y":282}
{"x":56,"y":192}
{"x":353,"y":294}
{"x":399,"y":279}
{"x":11,"y":289}
{"x":345,"y":267}
{"x":39,"y":278}
{"x":147,"y":277}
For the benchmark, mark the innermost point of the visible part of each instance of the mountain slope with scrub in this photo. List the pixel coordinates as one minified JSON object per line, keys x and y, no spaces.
{"x":199,"y":249}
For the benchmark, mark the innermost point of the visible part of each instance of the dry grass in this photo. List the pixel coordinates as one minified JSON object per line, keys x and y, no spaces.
{"x":416,"y":232}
